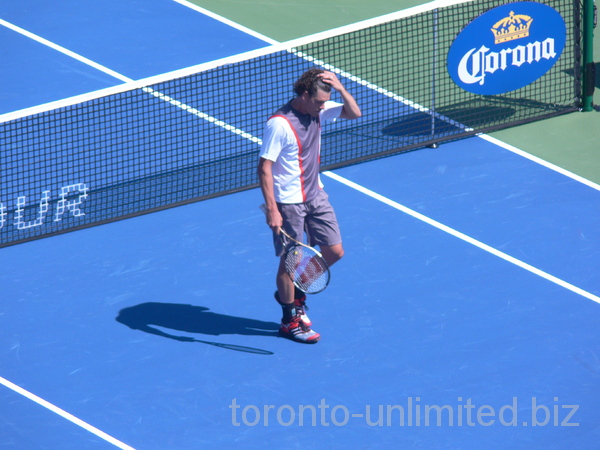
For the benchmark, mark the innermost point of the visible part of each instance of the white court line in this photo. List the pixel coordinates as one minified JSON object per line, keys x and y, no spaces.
{"x":226,"y":21}
{"x":464,"y":237}
{"x":64,"y":51}
{"x":540,"y":161}
{"x":121,"y":77}
{"x":202,"y":115}
{"x":64,"y":414}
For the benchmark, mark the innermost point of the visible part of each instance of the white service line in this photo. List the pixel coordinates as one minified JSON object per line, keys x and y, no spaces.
{"x":121,"y":77}
{"x":202,"y":115}
{"x":64,"y":51}
{"x":464,"y":237}
{"x":64,"y":414}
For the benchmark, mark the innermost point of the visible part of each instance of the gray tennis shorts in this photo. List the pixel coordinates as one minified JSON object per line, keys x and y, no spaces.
{"x":316,"y":218}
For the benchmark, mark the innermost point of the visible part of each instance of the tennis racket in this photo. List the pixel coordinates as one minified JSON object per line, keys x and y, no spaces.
{"x":306,"y":266}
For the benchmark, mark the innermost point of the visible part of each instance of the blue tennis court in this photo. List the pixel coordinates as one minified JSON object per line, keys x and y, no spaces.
{"x":136,"y":39}
{"x":464,"y":314}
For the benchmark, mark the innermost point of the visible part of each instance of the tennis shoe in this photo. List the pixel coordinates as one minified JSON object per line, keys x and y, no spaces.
{"x":298,"y":331}
{"x":299,"y":305}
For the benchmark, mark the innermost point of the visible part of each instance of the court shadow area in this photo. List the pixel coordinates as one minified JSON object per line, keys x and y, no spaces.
{"x":153,"y":317}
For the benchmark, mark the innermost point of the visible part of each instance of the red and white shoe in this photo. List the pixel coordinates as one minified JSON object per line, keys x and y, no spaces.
{"x":298,"y":331}
{"x":299,"y":305}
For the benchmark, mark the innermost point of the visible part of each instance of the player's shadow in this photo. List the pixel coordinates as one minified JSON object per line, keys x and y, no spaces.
{"x":194,"y":319}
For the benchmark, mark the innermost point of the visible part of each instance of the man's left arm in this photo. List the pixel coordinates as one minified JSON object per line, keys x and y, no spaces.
{"x":351,"y":109}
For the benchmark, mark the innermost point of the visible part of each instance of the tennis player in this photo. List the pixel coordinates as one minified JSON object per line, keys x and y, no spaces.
{"x":288,"y":171}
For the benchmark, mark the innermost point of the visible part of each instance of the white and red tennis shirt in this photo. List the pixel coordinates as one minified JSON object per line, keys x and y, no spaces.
{"x":292,"y":140}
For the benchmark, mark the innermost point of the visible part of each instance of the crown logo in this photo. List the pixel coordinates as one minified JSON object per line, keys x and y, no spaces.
{"x":516,"y":26}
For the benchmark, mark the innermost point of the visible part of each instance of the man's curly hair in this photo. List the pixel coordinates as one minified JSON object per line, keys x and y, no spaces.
{"x":310,"y":82}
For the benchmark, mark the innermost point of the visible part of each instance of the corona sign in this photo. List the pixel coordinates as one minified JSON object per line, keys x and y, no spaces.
{"x":507,"y":48}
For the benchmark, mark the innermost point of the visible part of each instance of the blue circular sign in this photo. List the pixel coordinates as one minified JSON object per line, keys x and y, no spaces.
{"x":507,"y":48}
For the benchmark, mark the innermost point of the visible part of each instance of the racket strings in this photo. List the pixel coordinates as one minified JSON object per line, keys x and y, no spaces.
{"x":309,"y":271}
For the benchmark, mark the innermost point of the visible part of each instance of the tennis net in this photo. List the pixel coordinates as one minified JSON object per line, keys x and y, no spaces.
{"x":195,"y":134}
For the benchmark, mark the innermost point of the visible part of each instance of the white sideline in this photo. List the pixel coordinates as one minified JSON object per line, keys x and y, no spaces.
{"x":464,"y":237}
{"x":64,"y":414}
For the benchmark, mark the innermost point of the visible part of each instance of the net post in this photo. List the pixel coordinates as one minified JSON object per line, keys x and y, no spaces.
{"x":589,"y":76}
{"x":433,"y":76}
{"x":433,"y":70}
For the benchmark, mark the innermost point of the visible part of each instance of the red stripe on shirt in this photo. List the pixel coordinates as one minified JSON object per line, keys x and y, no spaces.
{"x":299,"y":154}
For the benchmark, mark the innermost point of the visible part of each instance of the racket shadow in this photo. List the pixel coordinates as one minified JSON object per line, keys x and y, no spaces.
{"x":148,"y":316}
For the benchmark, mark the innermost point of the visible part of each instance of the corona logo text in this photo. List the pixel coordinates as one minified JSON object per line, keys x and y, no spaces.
{"x":502,"y":51}
{"x":476,"y":63}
